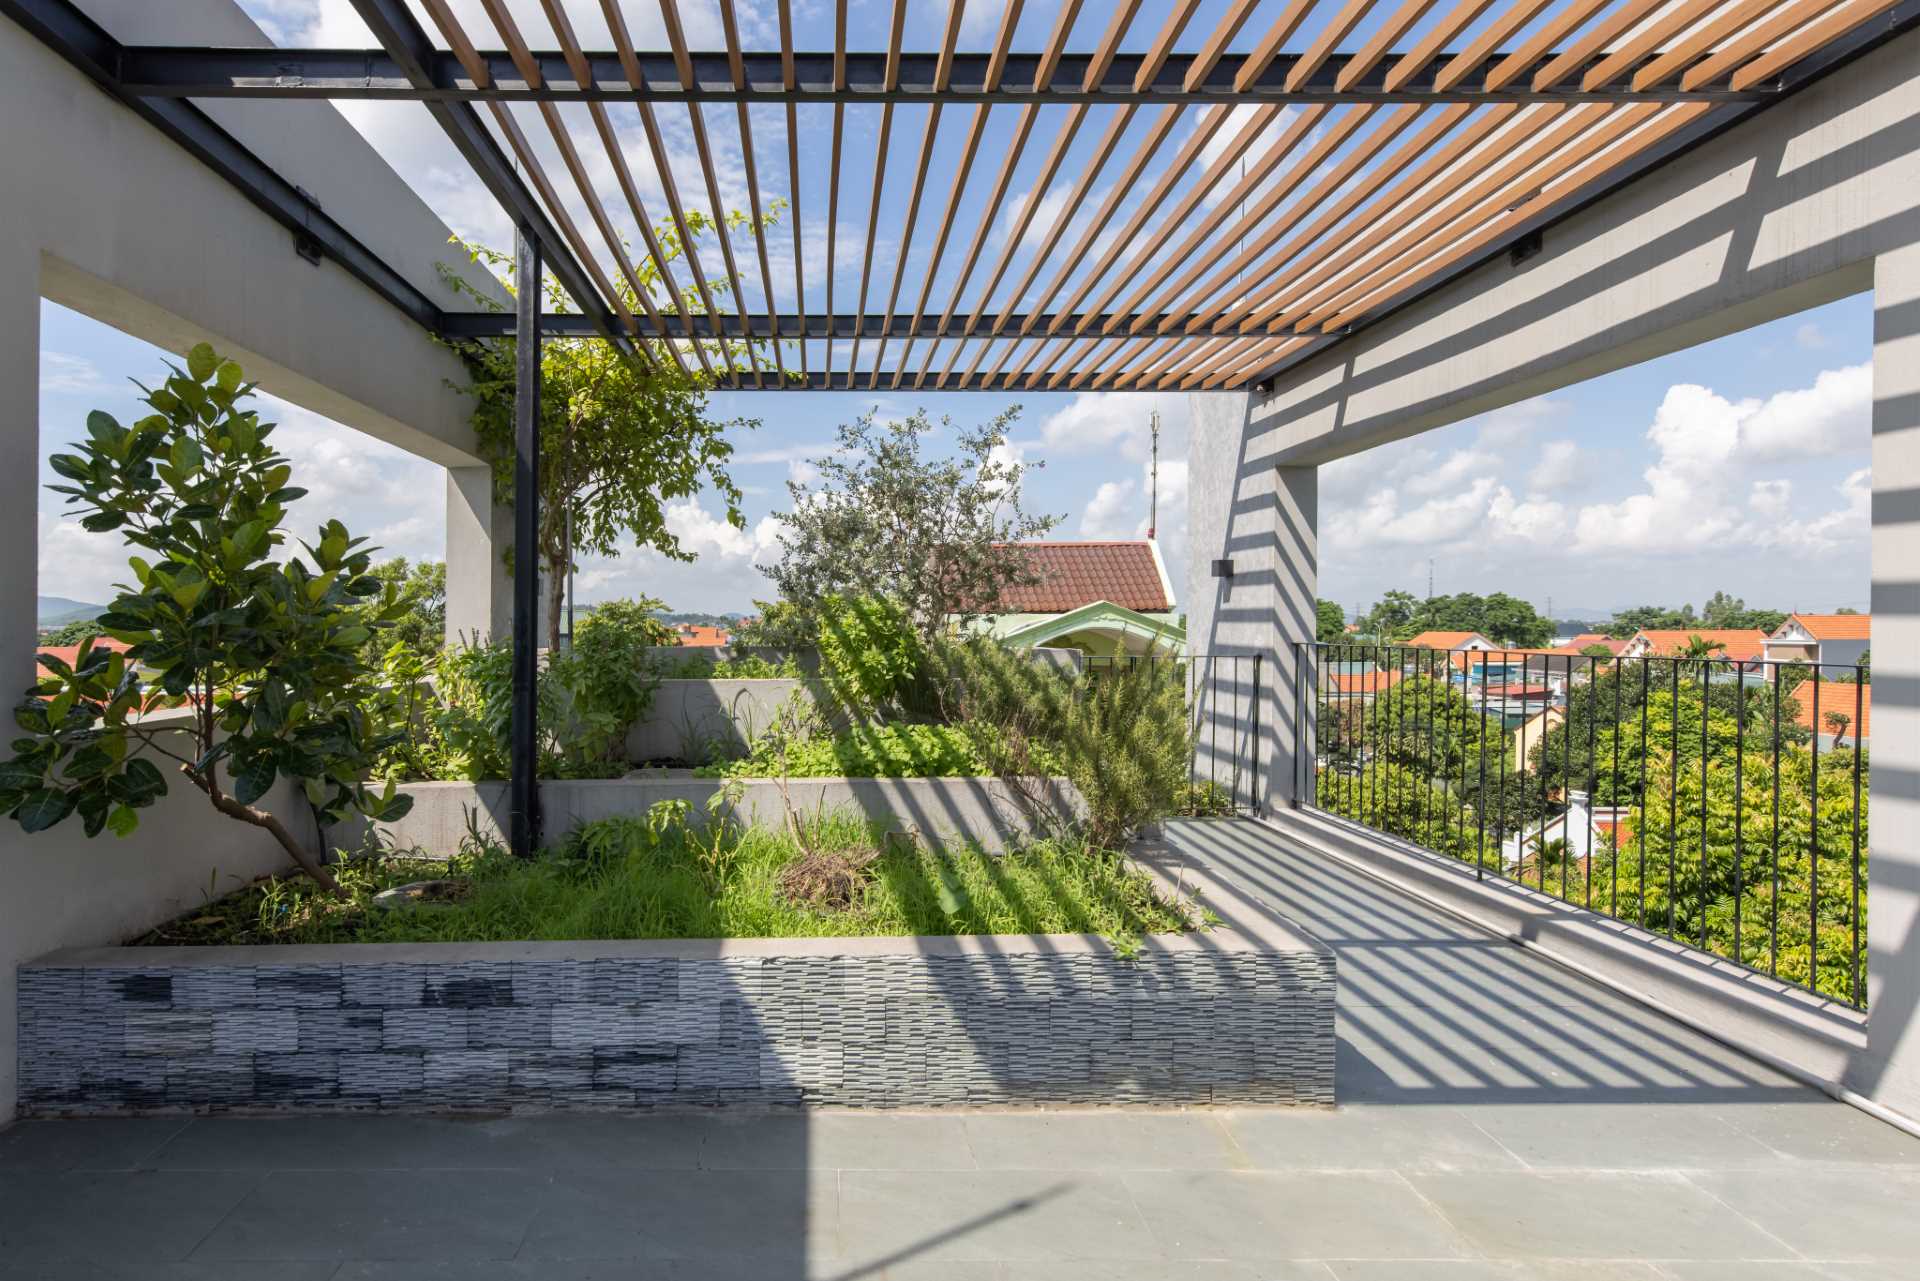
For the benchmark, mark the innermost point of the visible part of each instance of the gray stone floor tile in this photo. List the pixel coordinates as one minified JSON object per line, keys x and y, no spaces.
{"x":514,"y":1270}
{"x":1366,"y":1136}
{"x":379,"y":1214}
{"x":1492,"y":1270}
{"x":837,"y":1141}
{"x":111,"y":1217}
{"x":1172,"y":1270}
{"x":1265,"y":1215}
{"x":1604,"y":1136}
{"x":778,"y":1220}
{"x":1593,"y":1216}
{"x":892,"y":1217}
{"x":1101,"y":1141}
{"x":146,"y":1270}
{"x":367,"y":1142}
{"x":1854,"y":1270}
{"x":1871,"y":1212}
{"x":1818,"y":1129}
{"x":93,"y":1143}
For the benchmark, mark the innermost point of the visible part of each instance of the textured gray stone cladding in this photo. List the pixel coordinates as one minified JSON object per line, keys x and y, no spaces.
{"x":977,"y":1027}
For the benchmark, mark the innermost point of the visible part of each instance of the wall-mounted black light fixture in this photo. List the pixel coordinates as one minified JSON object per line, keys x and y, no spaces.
{"x":1223,"y":569}
{"x":1528,"y":246}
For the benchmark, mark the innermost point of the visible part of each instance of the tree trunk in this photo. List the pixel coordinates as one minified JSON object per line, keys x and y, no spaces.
{"x":556,"y":599}
{"x":261,"y":818}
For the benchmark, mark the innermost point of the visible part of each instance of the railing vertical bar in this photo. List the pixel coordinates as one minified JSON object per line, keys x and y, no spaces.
{"x":1640,"y":835}
{"x":1739,"y":802}
{"x":1773,"y":902}
{"x":1613,"y":796}
{"x":1673,"y":796}
{"x":1253,"y":762}
{"x":1480,"y":797}
{"x":1566,"y":764}
{"x":1500,"y":825}
{"x":1593,"y":764}
{"x":1706,"y":694}
{"x":1856,"y":987}
{"x":1813,"y":843}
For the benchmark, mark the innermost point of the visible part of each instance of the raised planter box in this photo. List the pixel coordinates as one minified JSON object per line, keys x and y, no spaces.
{"x":1240,"y":1014}
{"x":979,"y":810}
{"x":702,"y":720}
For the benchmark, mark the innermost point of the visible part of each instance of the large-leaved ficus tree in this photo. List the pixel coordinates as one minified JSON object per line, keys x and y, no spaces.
{"x":621,"y":436}
{"x":938,"y":535}
{"x":259,"y":646}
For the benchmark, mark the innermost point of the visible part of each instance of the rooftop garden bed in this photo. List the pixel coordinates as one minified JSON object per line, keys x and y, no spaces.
{"x":657,"y":878}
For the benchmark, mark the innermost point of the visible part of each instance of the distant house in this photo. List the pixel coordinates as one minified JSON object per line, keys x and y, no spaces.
{"x":1587,"y":640}
{"x":1842,"y":698}
{"x":70,"y":654}
{"x":1741,"y":644}
{"x":699,"y":636}
{"x":1101,"y":598}
{"x":1451,"y":640}
{"x":1361,"y":687}
{"x":1821,"y":638}
{"x":1531,"y":732}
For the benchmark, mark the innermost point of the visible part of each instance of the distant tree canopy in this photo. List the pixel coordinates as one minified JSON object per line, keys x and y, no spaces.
{"x":1501,"y":618}
{"x":73,"y":633}
{"x":1722,"y":612}
{"x":1330,"y":622}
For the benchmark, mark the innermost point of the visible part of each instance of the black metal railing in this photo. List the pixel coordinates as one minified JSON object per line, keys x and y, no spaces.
{"x":1223,"y":698}
{"x":1716,"y":802}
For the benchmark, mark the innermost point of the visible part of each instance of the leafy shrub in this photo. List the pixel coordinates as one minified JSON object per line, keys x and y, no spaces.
{"x":865,"y":751}
{"x":1120,"y":732}
{"x":870,"y":654}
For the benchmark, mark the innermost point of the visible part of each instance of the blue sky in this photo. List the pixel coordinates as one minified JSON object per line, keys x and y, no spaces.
{"x":1738,"y":465}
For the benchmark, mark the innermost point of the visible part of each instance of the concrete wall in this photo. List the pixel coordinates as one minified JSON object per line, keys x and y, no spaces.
{"x":1264,"y":519}
{"x":1241,"y":1014}
{"x":100,"y":213}
{"x":980,"y":810}
{"x":698,"y":721}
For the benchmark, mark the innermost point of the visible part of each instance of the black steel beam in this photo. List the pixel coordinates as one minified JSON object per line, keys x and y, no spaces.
{"x":1822,"y":63}
{"x":414,"y":56}
{"x":867,"y":380}
{"x":495,"y":324}
{"x":363,"y":73}
{"x":524,"y":760}
{"x":83,"y":43}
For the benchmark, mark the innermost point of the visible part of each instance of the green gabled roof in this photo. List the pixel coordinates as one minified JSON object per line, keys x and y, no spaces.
{"x":1099,"y":614}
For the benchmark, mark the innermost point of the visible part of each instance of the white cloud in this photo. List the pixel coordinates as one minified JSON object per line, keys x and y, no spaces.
{"x":1831,"y":417}
{"x":64,"y":374}
{"x":1560,"y":466}
{"x":1117,"y":423}
{"x":723,"y":576}
{"x":1811,"y":337}
{"x":1112,"y":511}
{"x":1703,"y":443}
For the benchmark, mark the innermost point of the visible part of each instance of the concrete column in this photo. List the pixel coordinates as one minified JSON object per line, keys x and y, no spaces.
{"x":479,"y":589}
{"x":1890,"y":1071}
{"x":1264,"y":520}
{"x":19,"y":461}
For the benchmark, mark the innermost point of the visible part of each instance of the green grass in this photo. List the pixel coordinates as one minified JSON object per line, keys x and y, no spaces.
{"x":865,"y":751}
{"x":652,"y":878}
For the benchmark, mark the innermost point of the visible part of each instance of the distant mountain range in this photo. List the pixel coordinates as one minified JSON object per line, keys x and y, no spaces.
{"x":58,"y":611}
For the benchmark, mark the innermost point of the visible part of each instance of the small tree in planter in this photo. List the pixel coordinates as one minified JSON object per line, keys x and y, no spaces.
{"x":266,"y":654}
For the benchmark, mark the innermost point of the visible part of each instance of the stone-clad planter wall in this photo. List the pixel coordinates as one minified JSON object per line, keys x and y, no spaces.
{"x":702,"y":720}
{"x":1242,"y":1014}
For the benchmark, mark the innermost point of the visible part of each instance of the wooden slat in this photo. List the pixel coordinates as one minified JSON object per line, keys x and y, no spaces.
{"x":1209,"y":56}
{"x":1439,"y":36}
{"x":1178,"y":297}
{"x":1554,"y":30}
{"x":458,"y":41}
{"x":797,"y":224}
{"x":516,"y":43}
{"x":1659,"y":126}
{"x":1664,"y":26}
{"x":1163,"y":43}
{"x":1750,"y":41}
{"x":510,"y":129}
{"x":1379,"y":219}
{"x":879,"y":187}
{"x":1799,"y":45}
{"x":952,"y":36}
{"x":731,"y":32}
{"x":1247,"y":373}
{"x":1510,"y":183}
{"x":703,"y":150}
{"x":1271,"y":44}
{"x":1208,"y":126}
{"x":1463,"y":64}
{"x":1304,"y":122}
{"x":1056,"y":45}
{"x":1600,"y":36}
{"x":1336,"y":30}
{"x":1381,"y":41}
{"x":1697,"y":42}
{"x":1197,"y":192}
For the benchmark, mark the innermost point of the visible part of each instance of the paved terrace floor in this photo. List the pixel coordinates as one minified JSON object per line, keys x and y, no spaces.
{"x":1501,"y":1119}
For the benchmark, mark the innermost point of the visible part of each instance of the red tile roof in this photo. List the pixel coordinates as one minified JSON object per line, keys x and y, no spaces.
{"x":70,"y":654}
{"x":1374,"y":682}
{"x":1835,"y":626}
{"x":1836,"y":696}
{"x":1575,"y":644}
{"x":694,"y":635}
{"x":1444,"y":640}
{"x":1737,"y":643}
{"x":1072,"y":574}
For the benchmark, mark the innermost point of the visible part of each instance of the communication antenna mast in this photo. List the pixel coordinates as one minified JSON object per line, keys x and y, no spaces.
{"x":1153,"y":481}
{"x":1429,"y":578}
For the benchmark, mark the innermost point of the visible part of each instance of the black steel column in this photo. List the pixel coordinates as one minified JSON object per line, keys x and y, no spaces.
{"x":523,"y":769}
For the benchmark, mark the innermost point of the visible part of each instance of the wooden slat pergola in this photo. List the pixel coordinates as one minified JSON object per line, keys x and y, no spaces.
{"x":1182,"y":205}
